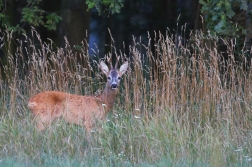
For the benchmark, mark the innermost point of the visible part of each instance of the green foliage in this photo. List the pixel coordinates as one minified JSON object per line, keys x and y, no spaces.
{"x":31,"y":14}
{"x":35,"y":16}
{"x":52,"y":20}
{"x":220,"y":16}
{"x":3,"y":17}
{"x":16,"y":28}
{"x":107,"y":6}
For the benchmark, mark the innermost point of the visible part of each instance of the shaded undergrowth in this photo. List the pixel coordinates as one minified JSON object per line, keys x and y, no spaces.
{"x":180,"y":105}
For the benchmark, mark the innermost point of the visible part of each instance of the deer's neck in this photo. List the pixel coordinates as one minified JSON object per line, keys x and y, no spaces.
{"x":108,"y":97}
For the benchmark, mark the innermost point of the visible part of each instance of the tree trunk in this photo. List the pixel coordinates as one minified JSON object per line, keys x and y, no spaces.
{"x":75,"y":22}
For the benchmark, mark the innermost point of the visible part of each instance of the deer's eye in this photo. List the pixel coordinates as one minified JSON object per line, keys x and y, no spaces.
{"x":119,"y":78}
{"x":109,"y":78}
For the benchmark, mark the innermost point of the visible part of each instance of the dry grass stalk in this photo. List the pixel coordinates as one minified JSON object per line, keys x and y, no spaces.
{"x":81,"y":110}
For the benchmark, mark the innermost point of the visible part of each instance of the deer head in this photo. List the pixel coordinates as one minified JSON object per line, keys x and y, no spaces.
{"x":113,"y":74}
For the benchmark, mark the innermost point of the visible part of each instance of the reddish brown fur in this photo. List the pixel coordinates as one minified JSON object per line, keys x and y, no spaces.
{"x":81,"y":110}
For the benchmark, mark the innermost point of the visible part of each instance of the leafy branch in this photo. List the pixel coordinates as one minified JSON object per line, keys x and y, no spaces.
{"x":106,"y":6}
{"x":31,"y":14}
{"x":221,"y":15}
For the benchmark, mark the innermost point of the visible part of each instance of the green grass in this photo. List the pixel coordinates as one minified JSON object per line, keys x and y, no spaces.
{"x":181,"y":110}
{"x":124,"y":140}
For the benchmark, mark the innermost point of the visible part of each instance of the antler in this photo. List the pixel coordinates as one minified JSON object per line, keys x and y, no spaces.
{"x":110,"y":61}
{"x":117,"y":59}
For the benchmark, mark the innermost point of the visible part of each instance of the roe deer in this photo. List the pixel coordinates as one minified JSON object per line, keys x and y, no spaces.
{"x":77,"y":109}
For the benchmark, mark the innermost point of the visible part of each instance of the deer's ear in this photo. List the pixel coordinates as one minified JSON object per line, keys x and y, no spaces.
{"x":123,"y":68}
{"x":104,"y":68}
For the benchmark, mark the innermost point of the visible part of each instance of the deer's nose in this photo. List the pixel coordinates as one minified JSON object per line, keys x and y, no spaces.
{"x":114,"y":86}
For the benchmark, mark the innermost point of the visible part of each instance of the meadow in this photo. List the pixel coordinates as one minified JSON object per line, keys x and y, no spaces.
{"x":180,"y":104}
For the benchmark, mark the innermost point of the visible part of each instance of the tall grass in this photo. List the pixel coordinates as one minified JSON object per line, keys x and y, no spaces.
{"x":179,"y":105}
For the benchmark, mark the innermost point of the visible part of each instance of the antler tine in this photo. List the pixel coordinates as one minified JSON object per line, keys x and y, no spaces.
{"x":110,"y":61}
{"x":117,"y":59}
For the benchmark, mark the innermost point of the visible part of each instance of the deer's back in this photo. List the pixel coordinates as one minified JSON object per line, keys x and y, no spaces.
{"x":74,"y":108}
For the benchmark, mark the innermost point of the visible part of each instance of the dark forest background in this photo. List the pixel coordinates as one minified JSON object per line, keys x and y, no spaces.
{"x":93,"y":20}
